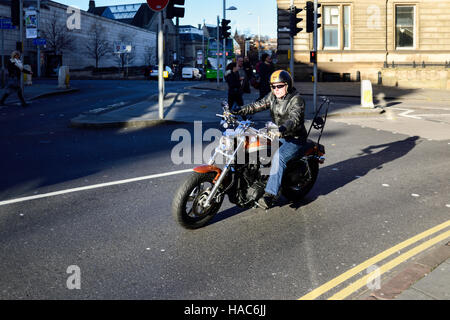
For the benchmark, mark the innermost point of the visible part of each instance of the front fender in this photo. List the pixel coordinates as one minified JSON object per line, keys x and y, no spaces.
{"x":209,"y":168}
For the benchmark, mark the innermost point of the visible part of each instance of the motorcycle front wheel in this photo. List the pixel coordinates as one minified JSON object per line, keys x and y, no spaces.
{"x":187,"y":206}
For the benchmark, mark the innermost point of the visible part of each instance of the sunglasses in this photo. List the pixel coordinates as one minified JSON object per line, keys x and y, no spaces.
{"x":278,"y":86}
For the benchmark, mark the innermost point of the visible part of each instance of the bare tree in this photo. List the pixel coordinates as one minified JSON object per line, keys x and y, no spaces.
{"x":150,"y":57}
{"x":97,"y":46}
{"x":57,"y":35}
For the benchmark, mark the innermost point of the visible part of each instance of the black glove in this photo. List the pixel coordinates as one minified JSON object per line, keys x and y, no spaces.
{"x":236,"y":110}
{"x":282,"y":129}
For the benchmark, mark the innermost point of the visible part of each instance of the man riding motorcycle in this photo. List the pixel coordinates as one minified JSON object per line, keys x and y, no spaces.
{"x":287,"y":109}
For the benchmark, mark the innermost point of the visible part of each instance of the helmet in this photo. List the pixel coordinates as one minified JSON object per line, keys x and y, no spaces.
{"x":281,"y":76}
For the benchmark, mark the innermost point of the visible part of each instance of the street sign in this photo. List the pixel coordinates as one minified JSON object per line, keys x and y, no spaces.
{"x":157,"y":5}
{"x":39,"y":41}
{"x":6,"y":24}
{"x":31,"y":23}
{"x":120,"y":47}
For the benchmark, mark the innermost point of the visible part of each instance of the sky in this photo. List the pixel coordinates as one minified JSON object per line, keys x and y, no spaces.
{"x":244,"y":19}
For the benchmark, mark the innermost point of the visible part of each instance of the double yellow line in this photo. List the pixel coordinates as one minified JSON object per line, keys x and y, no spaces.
{"x":342,"y":294}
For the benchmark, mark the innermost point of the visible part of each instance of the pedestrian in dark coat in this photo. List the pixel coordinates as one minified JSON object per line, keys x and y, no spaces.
{"x":266,"y":68}
{"x":15,"y":70}
{"x":234,"y":85}
{"x":243,"y":76}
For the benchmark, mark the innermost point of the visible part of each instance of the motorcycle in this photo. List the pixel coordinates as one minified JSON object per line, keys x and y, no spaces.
{"x":247,"y":153}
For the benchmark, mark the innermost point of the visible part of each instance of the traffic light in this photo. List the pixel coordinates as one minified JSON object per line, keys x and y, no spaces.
{"x":313,"y":56}
{"x":310,"y":16}
{"x":224,"y":33}
{"x":15,"y":12}
{"x":172,"y":11}
{"x":293,"y":20}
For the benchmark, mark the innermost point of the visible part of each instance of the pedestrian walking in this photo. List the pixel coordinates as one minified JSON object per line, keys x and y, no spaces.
{"x":15,"y":69}
{"x":234,"y":85}
{"x":266,"y":69}
{"x":243,"y":76}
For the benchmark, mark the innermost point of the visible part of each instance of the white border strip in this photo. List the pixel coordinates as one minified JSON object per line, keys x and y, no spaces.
{"x":95,"y":186}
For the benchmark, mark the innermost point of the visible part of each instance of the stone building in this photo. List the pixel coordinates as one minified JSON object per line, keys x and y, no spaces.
{"x":55,"y":16}
{"x":141,"y":16}
{"x":395,"y":42}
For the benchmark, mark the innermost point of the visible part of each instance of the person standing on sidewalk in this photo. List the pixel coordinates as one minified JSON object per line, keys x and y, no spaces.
{"x":243,"y":75}
{"x":248,"y":69}
{"x":15,"y":69}
{"x":234,"y":86}
{"x":266,"y":68}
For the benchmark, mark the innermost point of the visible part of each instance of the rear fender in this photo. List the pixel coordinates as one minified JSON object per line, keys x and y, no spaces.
{"x":318,"y":151}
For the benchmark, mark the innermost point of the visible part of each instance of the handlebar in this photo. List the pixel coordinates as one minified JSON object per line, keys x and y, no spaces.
{"x":230,"y":118}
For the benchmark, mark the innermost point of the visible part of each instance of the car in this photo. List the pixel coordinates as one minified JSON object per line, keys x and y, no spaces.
{"x":154,"y":73}
{"x":191,"y":73}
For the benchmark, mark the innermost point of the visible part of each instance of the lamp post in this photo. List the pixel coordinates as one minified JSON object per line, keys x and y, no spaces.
{"x":259,"y":36}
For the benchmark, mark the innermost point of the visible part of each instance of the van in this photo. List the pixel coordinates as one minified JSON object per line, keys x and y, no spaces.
{"x":191,"y":73}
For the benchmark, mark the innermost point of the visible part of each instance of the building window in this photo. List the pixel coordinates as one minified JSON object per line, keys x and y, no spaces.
{"x":404,"y":26}
{"x":346,"y":27}
{"x":331,"y":27}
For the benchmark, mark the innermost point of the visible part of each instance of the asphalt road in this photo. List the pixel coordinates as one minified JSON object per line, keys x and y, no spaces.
{"x":376,"y":189}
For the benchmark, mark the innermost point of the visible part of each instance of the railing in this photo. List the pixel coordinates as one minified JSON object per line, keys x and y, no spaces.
{"x":424,"y":64}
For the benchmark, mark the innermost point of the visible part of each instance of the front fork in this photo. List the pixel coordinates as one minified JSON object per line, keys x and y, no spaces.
{"x":230,"y":159}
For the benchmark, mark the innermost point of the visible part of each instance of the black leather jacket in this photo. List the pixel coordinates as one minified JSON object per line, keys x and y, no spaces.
{"x":288,"y":112}
{"x":14,"y":71}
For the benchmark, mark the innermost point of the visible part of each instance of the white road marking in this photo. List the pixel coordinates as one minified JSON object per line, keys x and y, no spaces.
{"x":406,"y":113}
{"x":95,"y":186}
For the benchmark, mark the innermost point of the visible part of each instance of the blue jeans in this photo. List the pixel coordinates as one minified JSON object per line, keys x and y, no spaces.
{"x":288,"y":150}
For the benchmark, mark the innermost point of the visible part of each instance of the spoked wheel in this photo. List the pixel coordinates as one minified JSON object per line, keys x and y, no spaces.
{"x":299,"y":179}
{"x":188,"y":204}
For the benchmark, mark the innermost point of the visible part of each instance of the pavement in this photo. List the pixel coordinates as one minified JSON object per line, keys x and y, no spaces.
{"x":39,"y":90}
{"x":425,"y":278}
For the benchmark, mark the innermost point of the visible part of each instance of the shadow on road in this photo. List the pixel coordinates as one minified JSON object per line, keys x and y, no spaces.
{"x":336,"y":176}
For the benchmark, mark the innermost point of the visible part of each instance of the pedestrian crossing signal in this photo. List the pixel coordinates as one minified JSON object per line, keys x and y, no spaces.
{"x":313,"y":57}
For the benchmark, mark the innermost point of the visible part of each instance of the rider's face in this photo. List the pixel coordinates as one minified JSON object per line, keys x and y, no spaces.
{"x":279,"y":89}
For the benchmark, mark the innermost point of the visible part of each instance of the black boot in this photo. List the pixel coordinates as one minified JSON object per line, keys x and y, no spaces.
{"x":266,"y":201}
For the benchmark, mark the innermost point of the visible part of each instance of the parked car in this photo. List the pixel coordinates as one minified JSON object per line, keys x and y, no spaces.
{"x":154,"y":73}
{"x":191,"y":73}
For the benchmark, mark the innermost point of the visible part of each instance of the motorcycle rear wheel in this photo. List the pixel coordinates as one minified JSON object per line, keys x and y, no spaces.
{"x":187,"y":205}
{"x":296,"y":182}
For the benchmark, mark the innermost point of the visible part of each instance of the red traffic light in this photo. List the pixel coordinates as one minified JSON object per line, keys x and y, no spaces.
{"x":313,"y":57}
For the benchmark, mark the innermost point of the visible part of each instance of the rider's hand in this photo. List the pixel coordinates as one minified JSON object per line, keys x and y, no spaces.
{"x":236,"y":111}
{"x":282,"y":129}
